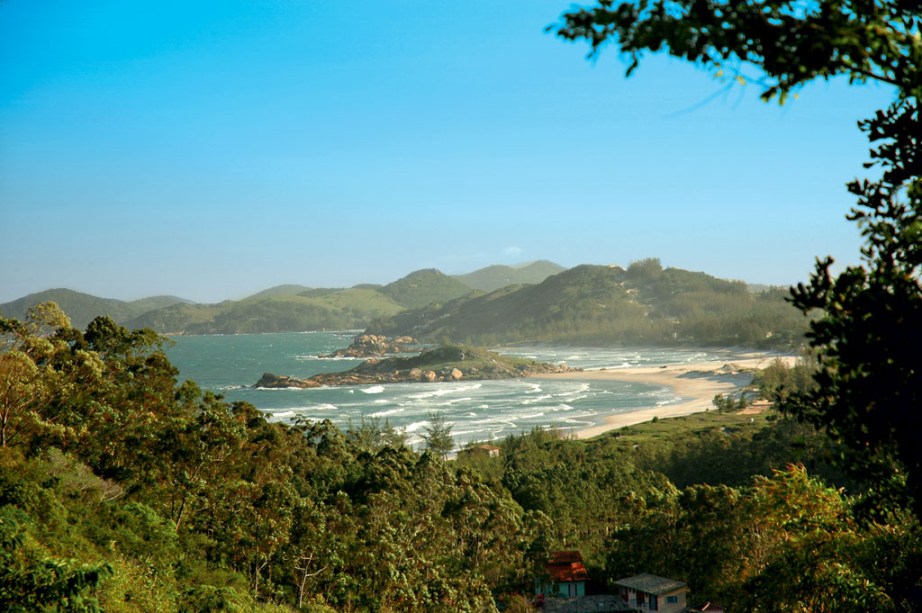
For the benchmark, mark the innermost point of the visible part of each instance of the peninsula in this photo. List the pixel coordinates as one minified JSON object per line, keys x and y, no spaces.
{"x":446,"y":363}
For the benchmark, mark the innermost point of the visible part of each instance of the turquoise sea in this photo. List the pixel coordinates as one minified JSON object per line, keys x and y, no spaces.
{"x":477,"y":410}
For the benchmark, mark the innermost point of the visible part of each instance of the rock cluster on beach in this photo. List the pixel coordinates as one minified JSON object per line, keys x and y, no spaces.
{"x":450,"y":363}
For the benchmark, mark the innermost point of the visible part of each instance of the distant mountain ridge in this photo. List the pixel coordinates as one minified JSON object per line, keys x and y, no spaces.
{"x":280,"y":290}
{"x":283,"y":308}
{"x":492,"y":278}
{"x":592,"y":305}
{"x":83,"y":308}
{"x":643,"y":304}
{"x":425,"y":287}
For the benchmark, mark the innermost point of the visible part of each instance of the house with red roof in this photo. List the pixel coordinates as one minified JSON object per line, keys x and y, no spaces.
{"x":565,"y":576}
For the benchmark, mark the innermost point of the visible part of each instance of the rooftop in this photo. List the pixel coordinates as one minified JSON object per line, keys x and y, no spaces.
{"x":567,"y":566}
{"x":650,"y":584}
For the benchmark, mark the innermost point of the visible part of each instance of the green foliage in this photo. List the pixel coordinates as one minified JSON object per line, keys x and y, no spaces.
{"x":598,"y":304}
{"x":32,"y":580}
{"x":868,"y":383}
{"x":437,"y":435}
{"x":788,"y":543}
{"x":274,"y":311}
{"x":648,"y":268}
{"x":728,"y":403}
{"x":492,"y":278}
{"x":471,"y":360}
{"x":588,"y":304}
{"x":779,"y":381}
{"x":126,"y":491}
{"x":84,"y":308}
{"x":425,"y":287}
{"x":791,"y":43}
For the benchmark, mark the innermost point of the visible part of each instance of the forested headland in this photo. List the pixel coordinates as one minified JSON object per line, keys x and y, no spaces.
{"x":644,"y":304}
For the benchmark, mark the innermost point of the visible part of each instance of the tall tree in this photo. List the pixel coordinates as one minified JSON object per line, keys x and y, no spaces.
{"x":438,"y":435}
{"x":867,"y":338}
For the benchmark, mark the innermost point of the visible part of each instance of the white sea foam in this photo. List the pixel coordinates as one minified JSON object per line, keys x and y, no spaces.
{"x":430,"y":394}
{"x":579,"y":392}
{"x":576,"y":422}
{"x":444,"y":390}
{"x":416,"y":425}
{"x":452,"y":402}
{"x":478,"y":409}
{"x":386,"y":413}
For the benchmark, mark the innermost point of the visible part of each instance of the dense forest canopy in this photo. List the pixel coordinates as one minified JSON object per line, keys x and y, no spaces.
{"x":123,"y":490}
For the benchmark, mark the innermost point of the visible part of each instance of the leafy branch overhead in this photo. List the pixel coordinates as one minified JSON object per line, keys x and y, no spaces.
{"x":869,"y":381}
{"x":791,"y":42}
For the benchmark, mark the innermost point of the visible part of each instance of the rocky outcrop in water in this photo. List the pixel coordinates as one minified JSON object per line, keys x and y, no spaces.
{"x":282,"y":381}
{"x":449,"y":363}
{"x":375,"y":345}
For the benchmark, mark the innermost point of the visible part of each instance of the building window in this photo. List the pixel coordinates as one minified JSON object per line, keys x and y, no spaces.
{"x":672,"y":599}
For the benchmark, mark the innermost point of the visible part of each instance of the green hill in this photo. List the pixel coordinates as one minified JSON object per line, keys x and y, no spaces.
{"x":285,"y":308}
{"x":644,"y":304}
{"x":493,"y":278}
{"x":592,"y":305}
{"x":315,"y":310}
{"x":83,"y":308}
{"x":424,"y":287}
{"x":280,"y":290}
{"x":174,"y":319}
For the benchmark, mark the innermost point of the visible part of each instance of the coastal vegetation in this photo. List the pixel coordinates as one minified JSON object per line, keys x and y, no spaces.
{"x":122,"y":489}
{"x":867,"y":383}
{"x":497,"y":277}
{"x":644,"y":304}
{"x":83,"y":308}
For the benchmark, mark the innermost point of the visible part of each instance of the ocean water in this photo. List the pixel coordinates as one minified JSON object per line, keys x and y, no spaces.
{"x":476,"y":410}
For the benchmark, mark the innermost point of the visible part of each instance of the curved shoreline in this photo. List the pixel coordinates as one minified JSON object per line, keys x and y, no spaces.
{"x":695,"y":383}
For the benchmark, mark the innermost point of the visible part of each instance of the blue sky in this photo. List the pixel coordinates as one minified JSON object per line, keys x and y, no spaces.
{"x":212,"y":149}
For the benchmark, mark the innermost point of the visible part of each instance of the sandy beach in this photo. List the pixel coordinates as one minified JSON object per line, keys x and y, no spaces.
{"x":695,"y":383}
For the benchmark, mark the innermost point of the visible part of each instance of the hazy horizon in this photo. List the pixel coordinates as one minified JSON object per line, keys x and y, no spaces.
{"x":213,"y":150}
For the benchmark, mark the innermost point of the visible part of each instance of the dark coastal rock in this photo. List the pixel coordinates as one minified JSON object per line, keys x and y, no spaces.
{"x":449,"y":363}
{"x":282,"y":381}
